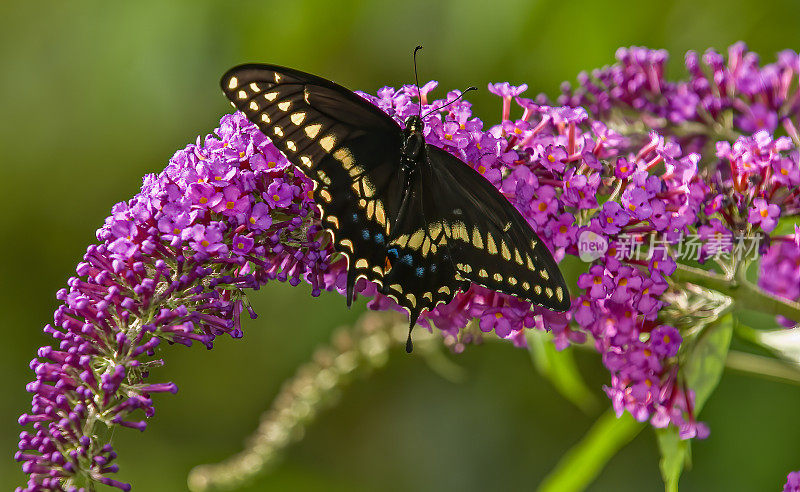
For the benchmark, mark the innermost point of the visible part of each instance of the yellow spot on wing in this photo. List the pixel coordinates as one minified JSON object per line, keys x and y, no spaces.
{"x":327,"y":142}
{"x":313,"y":130}
{"x":325,"y":194}
{"x":361,"y":263}
{"x":434,"y":230}
{"x":285,"y":105}
{"x":512,"y":280}
{"x":531,"y":266}
{"x":401,"y":240}
{"x":270,"y":96}
{"x":444,"y":290}
{"x":490,"y":246}
{"x":518,"y":257}
{"x":504,"y":250}
{"x":477,"y":240}
{"x":233,"y":83}
{"x":460,"y":231}
{"x":298,"y":118}
{"x":544,"y":274}
{"x":277,"y":131}
{"x":344,"y":156}
{"x":323,"y":177}
{"x":254,"y":106}
{"x":526,"y":285}
{"x":254,"y":87}
{"x":380,"y":215}
{"x":305,"y":160}
{"x":412,"y":299}
{"x":291,"y":146}
{"x":426,"y":246}
{"x":347,"y":244}
{"x":265,"y":118}
{"x":537,"y":289}
{"x":416,"y":239}
{"x":497,"y":277}
{"x":242,"y":95}
{"x":369,"y":189}
{"x":559,"y":294}
{"x":333,"y":220}
{"x":482,"y":273}
{"x":548,"y":291}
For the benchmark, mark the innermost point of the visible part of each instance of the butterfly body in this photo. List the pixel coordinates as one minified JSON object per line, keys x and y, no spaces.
{"x":409,"y":216}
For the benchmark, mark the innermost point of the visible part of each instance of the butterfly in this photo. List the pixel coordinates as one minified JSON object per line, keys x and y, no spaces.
{"x":410,"y":217}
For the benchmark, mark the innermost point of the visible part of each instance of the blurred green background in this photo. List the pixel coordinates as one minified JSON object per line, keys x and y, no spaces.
{"x":96,"y":94}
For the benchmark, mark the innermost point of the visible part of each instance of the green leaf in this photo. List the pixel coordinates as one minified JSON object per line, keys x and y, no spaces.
{"x":674,"y":453}
{"x":785,"y":225}
{"x":702,"y":370}
{"x":560,"y":368}
{"x":584,"y":461}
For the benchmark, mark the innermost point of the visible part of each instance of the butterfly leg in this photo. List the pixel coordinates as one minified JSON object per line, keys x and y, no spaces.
{"x":351,"y":283}
{"x":412,"y":320}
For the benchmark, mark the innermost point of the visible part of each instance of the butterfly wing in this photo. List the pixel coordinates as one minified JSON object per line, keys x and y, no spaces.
{"x":419,"y":272}
{"x":347,"y":146}
{"x":490,"y":242}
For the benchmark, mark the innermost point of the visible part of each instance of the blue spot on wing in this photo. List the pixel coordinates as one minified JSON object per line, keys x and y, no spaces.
{"x":365,"y":234}
{"x":420,"y":271}
{"x":407,"y":259}
{"x":379,"y":238}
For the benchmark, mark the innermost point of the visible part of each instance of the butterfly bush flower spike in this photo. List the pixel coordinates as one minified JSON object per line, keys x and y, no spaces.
{"x":619,"y":157}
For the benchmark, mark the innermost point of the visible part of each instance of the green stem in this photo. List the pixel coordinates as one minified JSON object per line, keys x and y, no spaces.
{"x":744,"y":293}
{"x":581,"y":464}
{"x":765,"y":367}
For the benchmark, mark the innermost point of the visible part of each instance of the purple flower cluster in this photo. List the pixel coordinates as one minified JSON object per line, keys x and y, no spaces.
{"x":720,"y":99}
{"x":230,"y":213}
{"x":226,"y":214}
{"x":792,"y":482}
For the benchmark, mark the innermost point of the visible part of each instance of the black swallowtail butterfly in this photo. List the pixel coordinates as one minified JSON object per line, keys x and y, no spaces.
{"x":409,"y":216}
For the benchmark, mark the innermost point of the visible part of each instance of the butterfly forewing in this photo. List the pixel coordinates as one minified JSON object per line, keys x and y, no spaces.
{"x":348,"y":147}
{"x":490,"y":242}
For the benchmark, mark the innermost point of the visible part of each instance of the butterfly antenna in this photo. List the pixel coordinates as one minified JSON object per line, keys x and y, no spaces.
{"x":450,"y":102}
{"x":416,"y":80}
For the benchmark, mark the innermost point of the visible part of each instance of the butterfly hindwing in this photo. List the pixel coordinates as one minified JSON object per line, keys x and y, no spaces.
{"x":355,"y":205}
{"x":490,"y":242}
{"x":419,"y":271}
